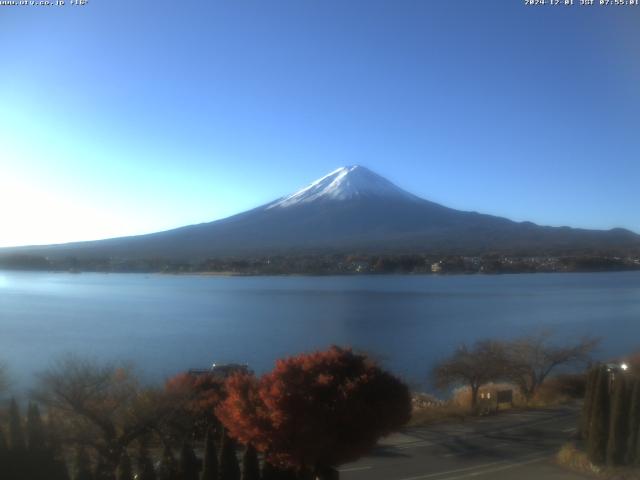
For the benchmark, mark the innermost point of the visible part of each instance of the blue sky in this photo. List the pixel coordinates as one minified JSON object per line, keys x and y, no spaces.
{"x":125,"y":117}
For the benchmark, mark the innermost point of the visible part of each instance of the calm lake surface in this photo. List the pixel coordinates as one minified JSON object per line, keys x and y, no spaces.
{"x":167,"y":323}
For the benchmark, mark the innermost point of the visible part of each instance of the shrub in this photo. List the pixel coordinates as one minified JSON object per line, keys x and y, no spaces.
{"x":571,"y":457}
{"x":439,"y":412}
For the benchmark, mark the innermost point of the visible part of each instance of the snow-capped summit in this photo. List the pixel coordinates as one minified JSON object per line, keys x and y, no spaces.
{"x":343,"y":184}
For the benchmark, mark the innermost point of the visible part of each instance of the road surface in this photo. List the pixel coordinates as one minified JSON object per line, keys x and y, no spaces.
{"x":519,"y":445}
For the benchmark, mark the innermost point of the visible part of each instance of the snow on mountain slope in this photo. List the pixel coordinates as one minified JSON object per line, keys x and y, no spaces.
{"x":343,"y":184}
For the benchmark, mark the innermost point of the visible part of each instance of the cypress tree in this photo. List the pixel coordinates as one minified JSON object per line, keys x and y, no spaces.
{"x":273,"y":472}
{"x":58,"y":466}
{"x":3,"y":443}
{"x":125,"y":470}
{"x":36,"y":438}
{"x":145,"y":465}
{"x":52,"y":436}
{"x":16,"y":435}
{"x":18,"y":464}
{"x":634,"y":421}
{"x":103,"y":470}
{"x":619,"y":427}
{"x":599,"y":424}
{"x":38,"y":457}
{"x":59,"y":470}
{"x":250,"y":464}
{"x":268,"y":471}
{"x":210,"y":461}
{"x":168,"y":469}
{"x":587,"y":407}
{"x":4,"y":456}
{"x":3,"y":446}
{"x":188,"y":463}
{"x":636,"y":459}
{"x":82,"y":466}
{"x":229,"y":468}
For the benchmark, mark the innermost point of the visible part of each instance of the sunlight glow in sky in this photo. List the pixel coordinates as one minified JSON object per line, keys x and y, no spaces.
{"x":122,"y":118}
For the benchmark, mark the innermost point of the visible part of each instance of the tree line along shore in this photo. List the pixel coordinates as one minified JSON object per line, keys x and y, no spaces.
{"x":335,"y":264}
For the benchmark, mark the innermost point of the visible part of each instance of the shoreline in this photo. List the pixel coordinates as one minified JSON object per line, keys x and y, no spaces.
{"x":328,"y":274}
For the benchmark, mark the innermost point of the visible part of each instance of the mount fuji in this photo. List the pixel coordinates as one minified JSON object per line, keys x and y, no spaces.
{"x":352,"y":209}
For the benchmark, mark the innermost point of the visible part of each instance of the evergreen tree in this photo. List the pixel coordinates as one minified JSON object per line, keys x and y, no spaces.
{"x":188,"y":463}
{"x":38,"y":459}
{"x":272,"y":472}
{"x":634,"y":421}
{"x":587,"y":408}
{"x":168,"y":469}
{"x":18,"y":464}
{"x":82,"y":466}
{"x":636,"y":459}
{"x":36,"y":438}
{"x":599,"y":424}
{"x":268,"y":471}
{"x":103,"y":470}
{"x":59,"y":470}
{"x":16,"y":435}
{"x":619,"y":427}
{"x":4,"y":455}
{"x":250,"y":464}
{"x":229,"y":468}
{"x":210,"y":461}
{"x":145,"y":465}
{"x":125,"y":470}
{"x":58,"y":465}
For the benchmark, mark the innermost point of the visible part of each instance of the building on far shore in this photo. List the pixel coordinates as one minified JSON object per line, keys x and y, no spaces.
{"x":222,"y":371}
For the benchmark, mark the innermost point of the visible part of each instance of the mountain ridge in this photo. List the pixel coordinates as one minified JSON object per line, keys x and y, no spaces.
{"x":349,"y":209}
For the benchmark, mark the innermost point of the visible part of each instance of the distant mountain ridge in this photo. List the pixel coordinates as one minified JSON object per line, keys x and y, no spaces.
{"x":352,"y":209}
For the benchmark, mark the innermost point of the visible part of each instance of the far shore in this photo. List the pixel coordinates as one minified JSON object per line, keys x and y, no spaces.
{"x":227,"y":273}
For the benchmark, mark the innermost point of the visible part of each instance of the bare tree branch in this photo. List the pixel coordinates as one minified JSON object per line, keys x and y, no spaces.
{"x":102,"y":406}
{"x":531,"y":359}
{"x":472,"y":367}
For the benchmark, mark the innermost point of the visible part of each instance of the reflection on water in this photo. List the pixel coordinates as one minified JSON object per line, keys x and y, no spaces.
{"x":168,"y":323}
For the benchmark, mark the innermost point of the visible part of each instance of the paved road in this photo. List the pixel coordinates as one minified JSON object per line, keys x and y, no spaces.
{"x":518,"y":445}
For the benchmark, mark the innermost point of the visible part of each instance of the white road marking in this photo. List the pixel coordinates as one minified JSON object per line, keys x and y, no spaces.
{"x":499,"y":469}
{"x":438,"y":474}
{"x":566,"y":430}
{"x":480,"y":469}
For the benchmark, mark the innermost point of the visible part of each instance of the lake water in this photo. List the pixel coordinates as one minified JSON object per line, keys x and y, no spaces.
{"x":166,"y":323}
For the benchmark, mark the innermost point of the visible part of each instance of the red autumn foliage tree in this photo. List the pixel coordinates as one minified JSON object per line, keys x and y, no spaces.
{"x":198,"y":396}
{"x":315,"y":410}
